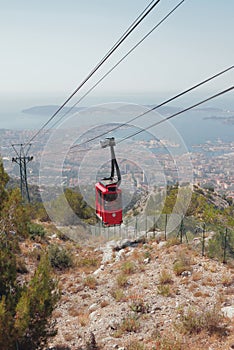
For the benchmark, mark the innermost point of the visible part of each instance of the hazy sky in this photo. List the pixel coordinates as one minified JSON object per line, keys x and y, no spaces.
{"x":49,"y":46}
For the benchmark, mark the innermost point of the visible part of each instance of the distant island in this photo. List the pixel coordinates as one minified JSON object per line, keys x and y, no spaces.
{"x":224,"y":120}
{"x":49,"y":110}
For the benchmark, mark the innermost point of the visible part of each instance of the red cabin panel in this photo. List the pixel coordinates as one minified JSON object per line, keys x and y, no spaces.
{"x":108,"y":203}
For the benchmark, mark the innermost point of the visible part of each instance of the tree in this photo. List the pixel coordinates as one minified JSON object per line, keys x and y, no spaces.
{"x":35,"y":306}
{"x":25,"y":311}
{"x":14,"y":215}
{"x":4,"y":178}
{"x":25,"y":308}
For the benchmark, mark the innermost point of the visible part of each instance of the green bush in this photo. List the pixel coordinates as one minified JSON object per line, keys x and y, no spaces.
{"x":182,"y":263}
{"x":128,"y":267}
{"x":59,"y":257}
{"x":25,"y":311}
{"x":196,"y":320}
{"x":217,"y":246}
{"x":35,"y":230}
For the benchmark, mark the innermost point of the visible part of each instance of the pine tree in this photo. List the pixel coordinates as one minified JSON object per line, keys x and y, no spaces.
{"x":25,"y":308}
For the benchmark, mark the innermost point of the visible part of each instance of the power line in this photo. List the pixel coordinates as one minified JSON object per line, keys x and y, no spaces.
{"x":157,"y":106}
{"x":132,"y":27}
{"x":116,"y":65}
{"x":178,"y":113}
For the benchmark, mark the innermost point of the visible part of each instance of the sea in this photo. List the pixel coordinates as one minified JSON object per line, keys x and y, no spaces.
{"x":196,"y":127}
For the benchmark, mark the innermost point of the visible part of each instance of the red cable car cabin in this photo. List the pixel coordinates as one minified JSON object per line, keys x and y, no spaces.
{"x":108,"y":194}
{"x":108,"y":203}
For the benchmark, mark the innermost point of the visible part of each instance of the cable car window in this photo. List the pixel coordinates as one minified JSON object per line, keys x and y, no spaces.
{"x":109,"y":197}
{"x":114,"y":204}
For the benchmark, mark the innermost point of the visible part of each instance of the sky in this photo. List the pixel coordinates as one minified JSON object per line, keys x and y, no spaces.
{"x":49,"y":46}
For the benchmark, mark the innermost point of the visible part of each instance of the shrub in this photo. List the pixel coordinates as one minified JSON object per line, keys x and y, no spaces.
{"x":166,"y":341}
{"x":90,"y":282}
{"x":118,"y":294}
{"x":182,"y":263}
{"x":59,"y":257}
{"x":217,"y":245}
{"x":122,"y":280}
{"x":138,"y":306}
{"x":164,"y":290}
{"x":129,"y":325}
{"x":134,"y":345}
{"x":165,"y":277}
{"x":25,"y":316}
{"x":87,"y":262}
{"x":83,"y":319}
{"x":35,"y":230}
{"x":128,"y":267}
{"x":196,"y":320}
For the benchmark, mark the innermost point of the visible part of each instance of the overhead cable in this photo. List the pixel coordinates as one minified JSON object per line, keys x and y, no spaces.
{"x":178,"y":113}
{"x":132,"y":27}
{"x":116,"y":65}
{"x":157,"y":106}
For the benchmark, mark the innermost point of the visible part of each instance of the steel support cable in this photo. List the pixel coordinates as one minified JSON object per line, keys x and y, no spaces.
{"x":132,"y":27}
{"x":116,"y":65}
{"x":157,"y":106}
{"x":178,"y":113}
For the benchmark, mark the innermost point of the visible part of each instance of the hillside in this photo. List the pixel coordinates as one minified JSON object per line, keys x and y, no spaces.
{"x":152,"y":295}
{"x":150,"y":291}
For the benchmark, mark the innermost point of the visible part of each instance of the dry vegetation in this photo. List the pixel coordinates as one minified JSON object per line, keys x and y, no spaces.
{"x":152,"y":296}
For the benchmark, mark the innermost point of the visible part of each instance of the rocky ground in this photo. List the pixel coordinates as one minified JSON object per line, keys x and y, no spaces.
{"x":144,"y":295}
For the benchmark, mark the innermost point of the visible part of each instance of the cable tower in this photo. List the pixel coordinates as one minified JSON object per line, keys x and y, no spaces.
{"x":22,"y":160}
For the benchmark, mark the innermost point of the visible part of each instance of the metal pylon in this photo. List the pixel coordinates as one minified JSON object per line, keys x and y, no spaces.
{"x":22,"y":160}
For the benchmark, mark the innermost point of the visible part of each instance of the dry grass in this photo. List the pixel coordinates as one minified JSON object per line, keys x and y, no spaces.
{"x":90,"y":282}
{"x":200,"y":294}
{"x":104,"y":303}
{"x":57,"y":313}
{"x":229,"y":291}
{"x":196,"y":320}
{"x":192,"y":287}
{"x":122,"y":280}
{"x":68,"y":336}
{"x":87,"y":261}
{"x":227,"y":280}
{"x":83,"y":318}
{"x":166,"y":341}
{"x":165,"y":277}
{"x":129,"y":325}
{"x":197,"y":276}
{"x":164,"y":290}
{"x":118,"y":294}
{"x":209,"y":281}
{"x":183,"y":262}
{"x":73,"y":311}
{"x":134,"y":345}
{"x":128,"y":267}
{"x":172,"y":241}
{"x":137,"y":304}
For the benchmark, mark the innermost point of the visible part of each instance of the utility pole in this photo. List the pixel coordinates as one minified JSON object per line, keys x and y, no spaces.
{"x":22,"y":160}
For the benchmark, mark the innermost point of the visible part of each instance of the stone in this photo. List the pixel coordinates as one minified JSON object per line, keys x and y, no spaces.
{"x":119,"y":255}
{"x":146,"y":261}
{"x":93,"y":307}
{"x":186,"y":274}
{"x":161,"y":245}
{"x":228,"y":311}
